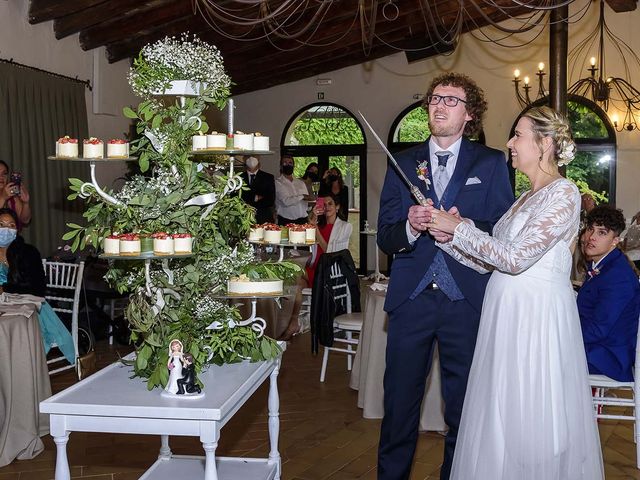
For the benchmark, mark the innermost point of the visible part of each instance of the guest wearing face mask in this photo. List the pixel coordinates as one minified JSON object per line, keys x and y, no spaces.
{"x":21,"y":272}
{"x":310,"y":177}
{"x":333,"y":184}
{"x":291,"y":195}
{"x":261,"y":192}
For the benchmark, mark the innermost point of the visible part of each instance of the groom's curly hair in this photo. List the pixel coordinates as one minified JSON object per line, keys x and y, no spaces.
{"x":476,"y":104}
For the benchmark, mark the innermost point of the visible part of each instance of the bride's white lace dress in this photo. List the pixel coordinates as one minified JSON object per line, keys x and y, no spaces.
{"x":527,"y":412}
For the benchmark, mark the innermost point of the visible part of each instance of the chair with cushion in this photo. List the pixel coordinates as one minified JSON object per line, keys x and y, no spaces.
{"x":64,"y":282}
{"x":601,"y":383}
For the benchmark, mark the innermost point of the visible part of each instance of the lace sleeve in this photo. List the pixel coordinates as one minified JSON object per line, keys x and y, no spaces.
{"x":465,"y":259}
{"x":554,"y":216}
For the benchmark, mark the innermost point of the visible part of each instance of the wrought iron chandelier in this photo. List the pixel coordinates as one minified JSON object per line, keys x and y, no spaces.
{"x":602,"y":89}
{"x":292,"y":24}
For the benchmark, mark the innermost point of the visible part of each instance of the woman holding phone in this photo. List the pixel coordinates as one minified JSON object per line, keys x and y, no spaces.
{"x":332,"y":235}
{"x":14,"y":195}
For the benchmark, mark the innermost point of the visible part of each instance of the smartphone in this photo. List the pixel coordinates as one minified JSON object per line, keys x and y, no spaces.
{"x":320,"y":205}
{"x":16,"y":179}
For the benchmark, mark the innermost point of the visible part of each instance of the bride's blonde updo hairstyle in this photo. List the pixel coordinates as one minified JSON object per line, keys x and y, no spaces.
{"x":546,"y":122}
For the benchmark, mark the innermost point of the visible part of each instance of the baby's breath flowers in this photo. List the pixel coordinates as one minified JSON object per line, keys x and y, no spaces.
{"x":183,"y":58}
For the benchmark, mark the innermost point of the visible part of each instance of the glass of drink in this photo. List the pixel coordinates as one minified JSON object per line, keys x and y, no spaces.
{"x":315,"y":188}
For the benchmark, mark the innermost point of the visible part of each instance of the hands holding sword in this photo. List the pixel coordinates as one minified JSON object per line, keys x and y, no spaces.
{"x":440,"y":224}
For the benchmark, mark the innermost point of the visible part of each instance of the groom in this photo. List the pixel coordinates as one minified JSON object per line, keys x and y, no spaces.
{"x":432,"y":298}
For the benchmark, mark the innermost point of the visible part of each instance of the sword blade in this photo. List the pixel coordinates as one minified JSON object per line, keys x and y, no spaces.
{"x":415,"y":191}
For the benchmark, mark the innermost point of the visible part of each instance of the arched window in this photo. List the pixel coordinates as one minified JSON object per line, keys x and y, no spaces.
{"x":331,"y":136}
{"x":594,"y":167}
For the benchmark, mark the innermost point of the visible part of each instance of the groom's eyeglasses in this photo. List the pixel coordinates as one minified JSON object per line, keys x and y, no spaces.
{"x":448,"y":100}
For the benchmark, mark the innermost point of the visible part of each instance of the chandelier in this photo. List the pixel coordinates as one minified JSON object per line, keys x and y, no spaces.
{"x":606,"y":91}
{"x":292,"y":24}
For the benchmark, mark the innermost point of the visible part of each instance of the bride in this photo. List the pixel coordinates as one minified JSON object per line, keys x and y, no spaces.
{"x":527,"y":412}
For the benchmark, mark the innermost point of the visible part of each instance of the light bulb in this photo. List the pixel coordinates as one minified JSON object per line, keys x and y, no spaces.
{"x":526,"y":80}
{"x":516,"y":73}
{"x":614,"y":119}
{"x":593,"y":61}
{"x":541,"y":67}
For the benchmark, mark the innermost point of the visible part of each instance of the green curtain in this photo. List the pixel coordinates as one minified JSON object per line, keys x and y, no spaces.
{"x":35,"y":110}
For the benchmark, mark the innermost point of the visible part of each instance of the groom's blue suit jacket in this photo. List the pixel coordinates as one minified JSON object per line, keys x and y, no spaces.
{"x":481,"y":190}
{"x":609,"y":305}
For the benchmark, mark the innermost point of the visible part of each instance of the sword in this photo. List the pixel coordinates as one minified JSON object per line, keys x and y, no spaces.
{"x":415,"y":191}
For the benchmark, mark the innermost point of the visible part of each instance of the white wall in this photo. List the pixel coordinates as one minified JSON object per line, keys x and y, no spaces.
{"x":36,"y":46}
{"x":382,"y":88}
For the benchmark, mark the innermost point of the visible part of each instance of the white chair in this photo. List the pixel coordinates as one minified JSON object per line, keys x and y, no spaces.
{"x":304,"y":316}
{"x":64,"y":282}
{"x":347,"y":323}
{"x":600,"y":383}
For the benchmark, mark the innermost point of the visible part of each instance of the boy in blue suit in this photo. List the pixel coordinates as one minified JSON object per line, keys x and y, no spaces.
{"x":431,"y":297}
{"x":609,"y":300}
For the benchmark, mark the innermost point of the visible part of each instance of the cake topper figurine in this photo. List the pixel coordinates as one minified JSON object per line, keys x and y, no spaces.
{"x":174,"y":364}
{"x":188,"y":383}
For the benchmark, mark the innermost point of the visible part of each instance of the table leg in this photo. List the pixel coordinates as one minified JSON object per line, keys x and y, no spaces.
{"x":274,"y":419}
{"x":60,"y":437}
{"x":62,"y":463}
{"x":165,"y":450}
{"x":210,"y":471}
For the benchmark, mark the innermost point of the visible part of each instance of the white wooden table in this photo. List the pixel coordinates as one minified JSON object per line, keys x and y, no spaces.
{"x":109,"y":401}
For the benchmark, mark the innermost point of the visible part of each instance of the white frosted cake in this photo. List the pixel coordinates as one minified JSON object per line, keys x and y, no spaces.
{"x":297,"y":234}
{"x":243,"y":141}
{"x":67,"y":147}
{"x":129,"y":244}
{"x":310,"y":232}
{"x":92,"y":148}
{"x":217,"y":141}
{"x":260,"y":142}
{"x":111,"y":245}
{"x":199,"y":142}
{"x":256,"y":233}
{"x":245,"y":286}
{"x":272,"y":233}
{"x":182,"y":243}
{"x":162,"y":244}
{"x":117,"y":148}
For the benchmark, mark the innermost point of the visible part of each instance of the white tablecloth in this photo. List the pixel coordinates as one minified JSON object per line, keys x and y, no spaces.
{"x":368,"y":368}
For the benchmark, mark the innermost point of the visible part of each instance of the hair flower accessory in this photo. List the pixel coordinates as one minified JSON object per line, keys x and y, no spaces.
{"x":567,"y":153}
{"x":422,"y":170}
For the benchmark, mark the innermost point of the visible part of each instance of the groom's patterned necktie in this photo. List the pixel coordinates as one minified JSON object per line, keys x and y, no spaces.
{"x":441,"y":175}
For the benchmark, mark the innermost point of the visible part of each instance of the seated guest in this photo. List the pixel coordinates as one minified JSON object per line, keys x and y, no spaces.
{"x":13,"y":196}
{"x":631,"y":244}
{"x":609,"y":299}
{"x":332,"y":235}
{"x":261,"y":192}
{"x":21,"y":272}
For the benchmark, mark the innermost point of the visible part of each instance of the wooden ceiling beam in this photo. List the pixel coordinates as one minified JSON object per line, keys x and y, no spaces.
{"x":45,"y":10}
{"x":621,"y":6}
{"x":139,"y":23}
{"x":113,"y":13}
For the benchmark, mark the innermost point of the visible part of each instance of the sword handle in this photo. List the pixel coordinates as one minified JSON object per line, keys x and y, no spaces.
{"x":420,"y":198}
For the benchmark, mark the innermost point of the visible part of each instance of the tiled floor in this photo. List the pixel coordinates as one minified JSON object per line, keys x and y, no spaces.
{"x":322,"y":434}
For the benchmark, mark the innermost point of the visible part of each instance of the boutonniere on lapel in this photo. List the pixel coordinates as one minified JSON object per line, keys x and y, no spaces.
{"x":593,"y":272}
{"x":422,"y":170}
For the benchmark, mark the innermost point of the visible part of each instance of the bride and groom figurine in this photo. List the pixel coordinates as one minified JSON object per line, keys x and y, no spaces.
{"x":182,"y":375}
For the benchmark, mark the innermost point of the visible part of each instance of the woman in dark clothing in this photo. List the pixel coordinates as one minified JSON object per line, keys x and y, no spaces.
{"x":20,"y":263}
{"x":333,"y":184}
